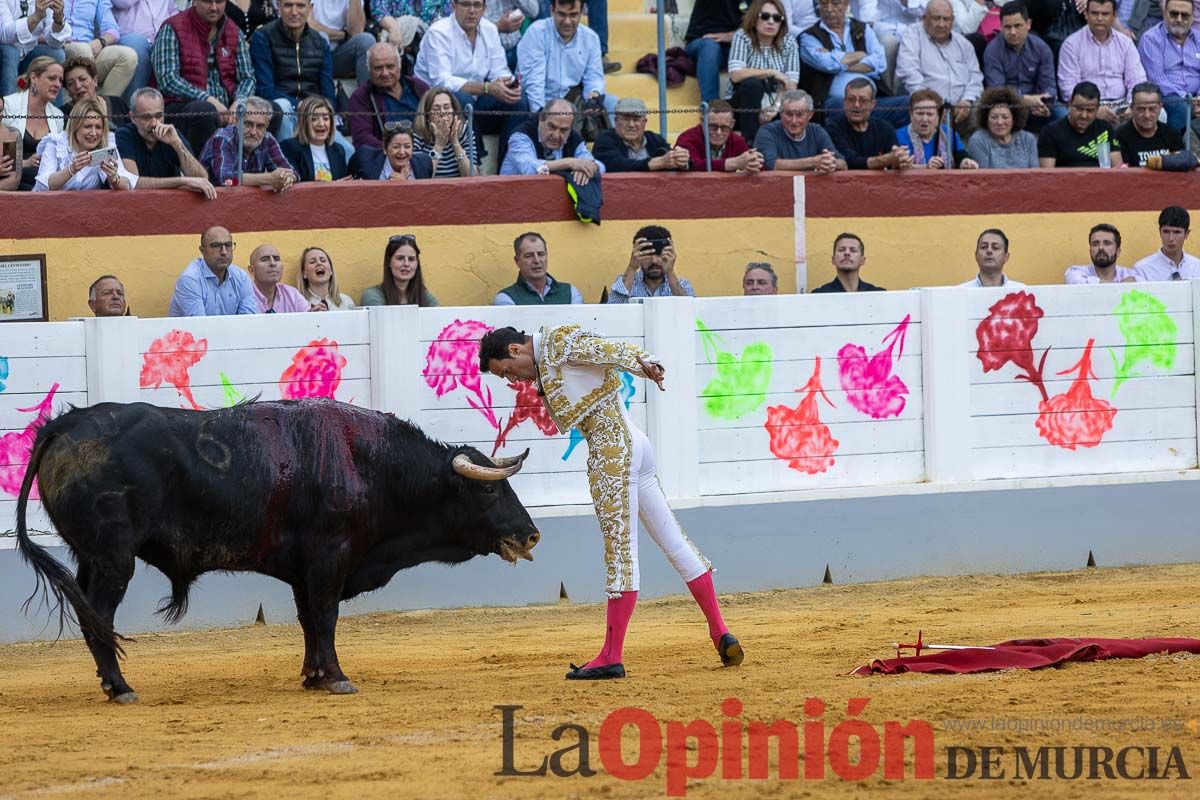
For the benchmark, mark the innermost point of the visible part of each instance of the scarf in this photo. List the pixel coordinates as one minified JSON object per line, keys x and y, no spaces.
{"x":942,"y":138}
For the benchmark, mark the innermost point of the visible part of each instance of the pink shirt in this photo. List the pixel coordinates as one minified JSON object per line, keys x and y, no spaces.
{"x":1113,"y":65}
{"x":287,"y":299}
{"x":143,"y":17}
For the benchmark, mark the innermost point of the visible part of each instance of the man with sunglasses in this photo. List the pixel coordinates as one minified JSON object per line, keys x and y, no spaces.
{"x":155,"y":152}
{"x":1170,"y":52}
{"x":211,"y":285}
{"x":728,"y":150}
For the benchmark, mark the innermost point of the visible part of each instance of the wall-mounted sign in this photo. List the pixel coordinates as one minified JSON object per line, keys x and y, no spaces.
{"x":23,"y":288}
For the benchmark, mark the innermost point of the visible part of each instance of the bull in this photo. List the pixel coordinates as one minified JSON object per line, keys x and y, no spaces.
{"x":331,"y":499}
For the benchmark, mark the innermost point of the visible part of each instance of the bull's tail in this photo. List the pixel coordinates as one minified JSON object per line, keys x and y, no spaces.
{"x":52,"y":577}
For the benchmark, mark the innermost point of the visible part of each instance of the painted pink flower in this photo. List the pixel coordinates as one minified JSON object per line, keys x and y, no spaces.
{"x":315,"y":371}
{"x":528,"y":406}
{"x":869,"y":383}
{"x":797,"y":434}
{"x":168,"y":361}
{"x":16,"y":447}
{"x":1076,"y":418}
{"x":453,"y":361}
{"x":1007,"y":335}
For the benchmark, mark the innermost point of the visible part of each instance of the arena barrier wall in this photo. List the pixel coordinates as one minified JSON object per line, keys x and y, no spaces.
{"x":785,"y":418}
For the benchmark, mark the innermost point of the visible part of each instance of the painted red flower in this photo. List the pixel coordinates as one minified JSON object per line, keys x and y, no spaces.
{"x":528,"y":407}
{"x":1007,"y":335}
{"x":453,"y":361}
{"x":315,"y":371}
{"x":168,"y":361}
{"x":797,"y":434}
{"x":1076,"y":418}
{"x":869,"y":383}
{"x":16,"y":447}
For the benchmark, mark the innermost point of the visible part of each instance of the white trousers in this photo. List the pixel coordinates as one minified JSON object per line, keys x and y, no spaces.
{"x":114,"y":66}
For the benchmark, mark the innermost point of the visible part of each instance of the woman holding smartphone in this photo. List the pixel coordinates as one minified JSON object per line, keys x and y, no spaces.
{"x":68,"y":163}
{"x":10,"y":155}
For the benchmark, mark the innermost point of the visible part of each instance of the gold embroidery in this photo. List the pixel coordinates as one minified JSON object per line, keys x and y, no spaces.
{"x":610,"y":451}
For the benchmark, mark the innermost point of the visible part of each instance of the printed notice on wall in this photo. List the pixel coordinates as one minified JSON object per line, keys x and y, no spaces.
{"x":23,"y":288}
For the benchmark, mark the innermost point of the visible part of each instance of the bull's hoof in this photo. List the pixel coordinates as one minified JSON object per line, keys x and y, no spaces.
{"x":126,"y":698}
{"x":331,"y":686}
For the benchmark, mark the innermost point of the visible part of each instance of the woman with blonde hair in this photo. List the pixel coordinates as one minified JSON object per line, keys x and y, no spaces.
{"x":67,"y":157}
{"x":32,"y":113}
{"x":441,"y":133}
{"x":318,"y":283}
{"x":313,"y":152}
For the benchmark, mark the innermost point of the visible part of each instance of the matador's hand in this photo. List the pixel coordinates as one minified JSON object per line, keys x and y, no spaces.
{"x":653,"y":371}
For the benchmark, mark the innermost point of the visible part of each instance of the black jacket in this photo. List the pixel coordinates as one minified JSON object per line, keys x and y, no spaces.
{"x":613,"y":153}
{"x":300,"y":157}
{"x":367,"y":163}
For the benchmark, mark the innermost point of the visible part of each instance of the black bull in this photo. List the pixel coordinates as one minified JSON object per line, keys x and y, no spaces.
{"x":328,"y":498}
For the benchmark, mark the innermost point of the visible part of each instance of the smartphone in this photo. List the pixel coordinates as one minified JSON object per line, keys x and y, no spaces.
{"x":105,"y":154}
{"x":9,"y":150}
{"x":658,"y":244}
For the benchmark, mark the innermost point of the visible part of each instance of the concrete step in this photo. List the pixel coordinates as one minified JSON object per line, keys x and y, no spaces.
{"x":645,"y":87}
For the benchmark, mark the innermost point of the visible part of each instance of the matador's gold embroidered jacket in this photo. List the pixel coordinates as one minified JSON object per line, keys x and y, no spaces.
{"x":579,"y":370}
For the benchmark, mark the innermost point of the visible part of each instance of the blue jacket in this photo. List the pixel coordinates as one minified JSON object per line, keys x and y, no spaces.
{"x":300,"y":157}
{"x":367,"y":164}
{"x":290,"y":69}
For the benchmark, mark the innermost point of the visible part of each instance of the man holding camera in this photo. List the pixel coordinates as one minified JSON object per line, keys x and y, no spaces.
{"x":651,"y":270}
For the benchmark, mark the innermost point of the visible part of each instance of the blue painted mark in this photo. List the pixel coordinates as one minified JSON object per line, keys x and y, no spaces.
{"x":3,"y":372}
{"x":626,"y":391}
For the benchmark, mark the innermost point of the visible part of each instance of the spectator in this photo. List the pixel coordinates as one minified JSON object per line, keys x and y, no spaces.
{"x":794,"y":143}
{"x":509,"y":17}
{"x":397,"y":161}
{"x":402,"y":284}
{"x":318,"y":283}
{"x":343,"y":24}
{"x":710,"y":32}
{"x":212,"y":285}
{"x":202,"y":65}
{"x":79,"y":79}
{"x":314,"y":153}
{"x":941,"y":147}
{"x":629,"y":147}
{"x":1081,"y":138}
{"x":252,"y":16}
{"x":401,"y":19}
{"x":849,"y":255}
{"x":865,"y":141}
{"x":651,"y":269}
{"x":559,"y":55}
{"x":463,"y":53}
{"x":106,"y":297}
{"x":1170,"y":53}
{"x":1170,"y":262}
{"x":1106,"y":59}
{"x":837,"y":50}
{"x":759,"y":279}
{"x":32,"y":112}
{"x":893,"y":18}
{"x":935,"y":57}
{"x":1020,"y":60}
{"x":387,"y":96}
{"x":41,"y":29}
{"x":728,"y":150}
{"x":66,"y":163}
{"x":1104,"y":242}
{"x":11,"y":155}
{"x":291,"y":62}
{"x":95,"y":35}
{"x":803,"y":14}
{"x":441,"y":133}
{"x":764,"y":60}
{"x":1142,"y":137}
{"x":534,"y":284}
{"x":540,"y":146}
{"x":272,"y":297}
{"x":155,"y":152}
{"x":139,"y":22}
{"x":1001,"y":141}
{"x":991,"y":254}
{"x":263,"y":163}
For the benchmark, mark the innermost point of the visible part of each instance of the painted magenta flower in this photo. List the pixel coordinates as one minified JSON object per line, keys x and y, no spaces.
{"x":17,"y":446}
{"x":528,"y":407}
{"x":315,"y":371}
{"x":869,"y":383}
{"x":453,"y":361}
{"x":797,"y":434}
{"x":1007,"y":335}
{"x":1076,"y":418}
{"x":169,"y":359}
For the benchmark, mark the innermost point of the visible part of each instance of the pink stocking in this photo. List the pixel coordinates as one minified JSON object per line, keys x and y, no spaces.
{"x":620,"y":611}
{"x":706,"y":597}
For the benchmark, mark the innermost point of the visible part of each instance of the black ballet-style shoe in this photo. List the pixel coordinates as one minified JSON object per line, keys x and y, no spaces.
{"x":731,"y":652}
{"x":596,"y":673}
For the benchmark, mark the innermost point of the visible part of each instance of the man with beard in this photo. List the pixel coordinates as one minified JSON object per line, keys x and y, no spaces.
{"x":1170,"y":52}
{"x":1104,"y":242}
{"x":273,"y":297}
{"x":106,"y":297}
{"x":866,"y":142}
{"x":651,"y":270}
{"x":1142,"y":137}
{"x":263,"y":163}
{"x":1076,"y":140}
{"x":154,"y":150}
{"x":991,"y":254}
{"x":849,"y":255}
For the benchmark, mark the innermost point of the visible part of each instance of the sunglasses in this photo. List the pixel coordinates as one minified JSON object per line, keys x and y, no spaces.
{"x":767,"y":16}
{"x":399,"y":125}
{"x":403,"y":237}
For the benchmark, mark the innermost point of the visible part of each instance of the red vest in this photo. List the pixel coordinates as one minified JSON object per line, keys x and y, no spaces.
{"x":192,"y":33}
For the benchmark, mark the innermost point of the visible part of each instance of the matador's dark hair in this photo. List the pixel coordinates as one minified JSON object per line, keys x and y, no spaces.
{"x":494,"y":344}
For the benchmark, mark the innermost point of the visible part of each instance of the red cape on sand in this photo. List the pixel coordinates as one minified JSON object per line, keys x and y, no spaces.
{"x":1028,"y":654}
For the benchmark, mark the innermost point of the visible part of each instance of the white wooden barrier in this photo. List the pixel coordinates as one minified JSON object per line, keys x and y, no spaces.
{"x":771,"y":394}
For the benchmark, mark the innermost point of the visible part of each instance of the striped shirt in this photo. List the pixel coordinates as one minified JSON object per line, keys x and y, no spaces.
{"x":165,"y":58}
{"x":744,"y":56}
{"x":446,"y":161}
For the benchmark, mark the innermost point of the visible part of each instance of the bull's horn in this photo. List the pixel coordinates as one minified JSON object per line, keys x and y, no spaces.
{"x":464,"y":466}
{"x":508,"y":461}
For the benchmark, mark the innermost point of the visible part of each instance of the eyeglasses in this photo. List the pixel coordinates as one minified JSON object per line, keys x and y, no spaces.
{"x":1179,"y":14}
{"x":719,"y":128}
{"x":858,"y":102}
{"x":221,"y":246}
{"x":767,"y":16}
{"x":398,"y":125}
{"x":152,"y":116}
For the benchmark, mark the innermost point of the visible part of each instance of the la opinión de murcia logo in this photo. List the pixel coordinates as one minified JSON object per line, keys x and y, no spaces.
{"x":738,"y":749}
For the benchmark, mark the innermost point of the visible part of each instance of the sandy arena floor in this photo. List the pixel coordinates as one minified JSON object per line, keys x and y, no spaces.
{"x":223,"y":715}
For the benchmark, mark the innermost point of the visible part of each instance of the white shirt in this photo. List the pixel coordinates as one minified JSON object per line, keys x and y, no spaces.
{"x":1157,"y":267}
{"x":448,"y":59}
{"x":802,"y":14}
{"x":331,"y":14}
{"x":893,"y":16}
{"x":1004,"y":281}
{"x":14,"y":28}
{"x":1086,"y":273}
{"x":56,"y":155}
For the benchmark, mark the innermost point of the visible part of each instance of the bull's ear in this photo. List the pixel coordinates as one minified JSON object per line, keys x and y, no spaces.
{"x":509,"y":461}
{"x":464,"y":466}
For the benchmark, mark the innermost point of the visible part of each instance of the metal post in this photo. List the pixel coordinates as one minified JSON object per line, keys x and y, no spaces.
{"x":240,"y":111}
{"x":470,"y":115}
{"x":707,"y":145}
{"x":662,"y":67}
{"x":1187,"y":131}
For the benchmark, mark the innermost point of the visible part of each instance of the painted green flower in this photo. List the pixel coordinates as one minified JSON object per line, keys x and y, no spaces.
{"x":1149,"y":333}
{"x":740,"y":385}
